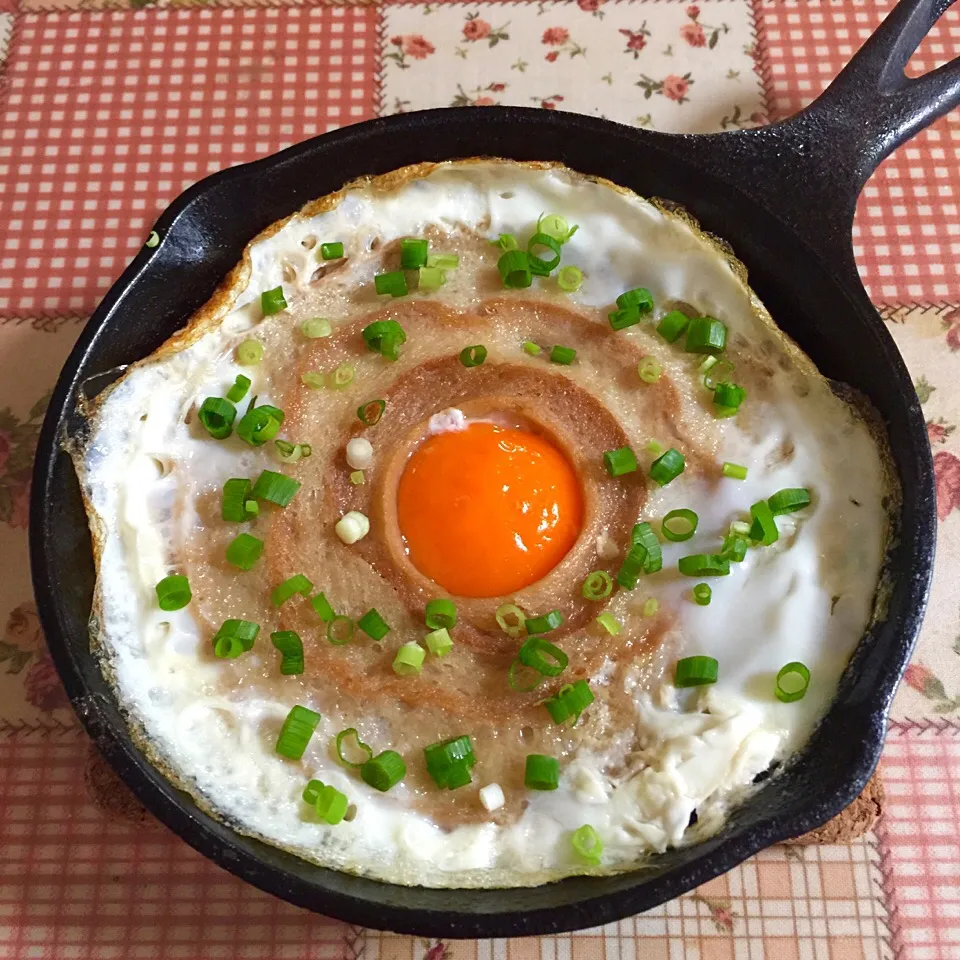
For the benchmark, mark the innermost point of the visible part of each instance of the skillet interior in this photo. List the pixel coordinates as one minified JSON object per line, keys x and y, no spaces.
{"x":824,"y":309}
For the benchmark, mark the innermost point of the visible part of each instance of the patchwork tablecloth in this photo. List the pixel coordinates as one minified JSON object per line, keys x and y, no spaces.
{"x":109,"y":108}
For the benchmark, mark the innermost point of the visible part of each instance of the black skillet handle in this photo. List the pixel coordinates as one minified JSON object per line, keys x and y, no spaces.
{"x":810,"y":169}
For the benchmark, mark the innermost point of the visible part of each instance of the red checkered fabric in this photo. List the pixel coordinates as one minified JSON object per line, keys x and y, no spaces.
{"x":907,"y":230}
{"x":110,"y":115}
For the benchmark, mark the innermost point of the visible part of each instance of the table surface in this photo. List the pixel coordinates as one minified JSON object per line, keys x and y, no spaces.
{"x":109,"y":108}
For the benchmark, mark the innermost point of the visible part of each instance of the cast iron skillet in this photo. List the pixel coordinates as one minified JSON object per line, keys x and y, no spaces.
{"x":784,"y":197}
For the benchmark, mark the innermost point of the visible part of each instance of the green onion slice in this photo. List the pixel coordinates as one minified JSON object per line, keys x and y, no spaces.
{"x":217,"y":416}
{"x":413,"y":253}
{"x":384,"y":771}
{"x":439,"y":642}
{"x":543,"y":656}
{"x":541,"y":772}
{"x":356,"y":478}
{"x":173,"y":592}
{"x":275,"y":488}
{"x":650,"y":607}
{"x":649,"y":369}
{"x":545,"y":623}
{"x":764,"y":527}
{"x":679,"y":525}
{"x":340,"y":631}
{"x":569,"y":701}
{"x":569,"y":279}
{"x":357,"y":747}
{"x":734,"y":471}
{"x":291,"y":648}
{"x":342,"y":376}
{"x":704,"y":565}
{"x":538,"y":265}
{"x":244,"y":551}
{"x":250,"y":353}
{"x":260,"y":424}
{"x":393,"y":284}
{"x":598,"y":585}
{"x":511,"y":620}
{"x":409,"y":659}
{"x":639,"y":299}
{"x":311,"y":791}
{"x":564,"y":355}
{"x":331,"y":805}
{"x":672,"y":326}
{"x":313,"y":379}
{"x":609,"y":623}
{"x":789,"y":500}
{"x":515,"y":271}
{"x":696,"y":671}
{"x":373,"y":625}
{"x":734,"y":548}
{"x":239,"y":389}
{"x":315,"y":328}
{"x":667,"y":467}
{"x":718,"y":372}
{"x":473,"y":356}
{"x":233,"y":638}
{"x":644,"y":556}
{"x":384,"y":337}
{"x":440,"y":612}
{"x":449,"y":762}
{"x":627,"y":317}
{"x":430,"y":279}
{"x":321,"y":606}
{"x":523,"y":679}
{"x":443,"y":261}
{"x":706,"y":335}
{"x":331,"y":251}
{"x":296,"y":732}
{"x":586,"y":843}
{"x":620,"y":461}
{"x":295,"y":584}
{"x":272,"y":301}
{"x":553,"y":225}
{"x":531,"y":348}
{"x":371,"y":412}
{"x":506,"y":242}
{"x":793,"y":681}
{"x":727,"y":398}
{"x":702,"y":594}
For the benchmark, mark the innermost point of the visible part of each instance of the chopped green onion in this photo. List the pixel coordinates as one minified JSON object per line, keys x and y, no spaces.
{"x":384,"y":771}
{"x":313,"y":379}
{"x":621,"y":461}
{"x":734,"y":471}
{"x":275,"y":487}
{"x":506,"y":242}
{"x":679,"y":525}
{"x":291,"y":648}
{"x":357,"y":478}
{"x":259,"y":425}
{"x":272,"y":301}
{"x":443,"y":261}
{"x":342,"y":376}
{"x":449,"y":762}
{"x":539,"y":266}
{"x":173,"y":592}
{"x":544,"y":657}
{"x":473,"y":356}
{"x":311,"y":792}
{"x":239,"y":389}
{"x":315,"y":328}
{"x":340,"y":630}
{"x":373,"y":625}
{"x":217,"y":416}
{"x":564,"y":355}
{"x":252,"y":508}
{"x":370,"y":413}
{"x":413,"y":253}
{"x":289,"y":452}
{"x":515,"y":626}
{"x":331,"y":805}
{"x":789,"y":500}
{"x":553,"y":225}
{"x":644,"y":556}
{"x":534,"y":349}
{"x":152,"y":241}
{"x":392,"y":284}
{"x":734,"y":548}
{"x":649,"y":369}
{"x":384,"y":337}
{"x":322,"y":608}
{"x":250,"y":353}
{"x":541,"y":772}
{"x":650,"y":607}
{"x":298,"y":583}
{"x":244,"y":551}
{"x":598,"y":585}
{"x":439,"y":642}
{"x":569,"y":279}
{"x":639,"y":299}
{"x":727,"y":398}
{"x":233,"y":638}
{"x":331,"y":251}
{"x":440,"y":612}
{"x":740,"y":528}
{"x":515,"y":271}
{"x":718,"y":371}
{"x":543,"y":624}
{"x":358,"y":746}
{"x":654,"y":447}
{"x":706,"y":335}
{"x":409,"y":659}
{"x":609,"y":623}
{"x":430,"y":279}
{"x":702,"y":593}
{"x":764,"y":527}
{"x":667,"y":467}
{"x":672,"y":326}
{"x":792,"y":682}
{"x":587,"y":843}
{"x":296,"y":732}
{"x":517,"y":671}
{"x":696,"y":671}
{"x":569,"y":701}
{"x":628,"y":317}
{"x":704,"y":565}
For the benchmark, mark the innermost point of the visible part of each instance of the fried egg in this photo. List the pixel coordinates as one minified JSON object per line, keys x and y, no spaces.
{"x":430,"y":470}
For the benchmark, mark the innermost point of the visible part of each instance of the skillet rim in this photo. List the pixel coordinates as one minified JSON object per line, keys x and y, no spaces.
{"x":719,"y":854}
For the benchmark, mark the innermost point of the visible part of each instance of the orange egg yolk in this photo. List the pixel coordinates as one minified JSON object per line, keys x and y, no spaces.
{"x":488,"y":510}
